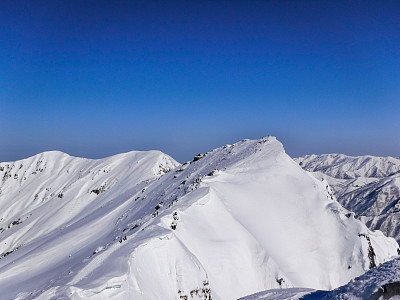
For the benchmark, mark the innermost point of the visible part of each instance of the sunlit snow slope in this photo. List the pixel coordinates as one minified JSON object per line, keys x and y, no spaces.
{"x":240,"y":219}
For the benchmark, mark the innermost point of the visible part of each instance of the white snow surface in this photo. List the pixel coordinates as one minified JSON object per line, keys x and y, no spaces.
{"x":240,"y":219}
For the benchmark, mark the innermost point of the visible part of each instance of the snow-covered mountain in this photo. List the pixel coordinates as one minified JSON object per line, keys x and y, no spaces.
{"x":237,"y":220}
{"x":366,"y":185}
{"x":374,"y":198}
{"x":346,"y":167}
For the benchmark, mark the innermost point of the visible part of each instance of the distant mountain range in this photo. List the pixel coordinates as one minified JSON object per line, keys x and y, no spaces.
{"x":342,"y":166}
{"x":234,"y":221}
{"x":367,"y":185}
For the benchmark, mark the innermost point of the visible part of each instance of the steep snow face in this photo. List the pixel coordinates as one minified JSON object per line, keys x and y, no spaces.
{"x":345,"y":167}
{"x":237,"y":220}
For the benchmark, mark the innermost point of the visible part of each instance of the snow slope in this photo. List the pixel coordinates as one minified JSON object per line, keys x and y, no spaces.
{"x":240,"y":219}
{"x":53,"y":205}
{"x":382,"y":282}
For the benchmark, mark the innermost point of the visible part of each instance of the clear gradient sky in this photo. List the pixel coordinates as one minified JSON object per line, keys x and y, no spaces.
{"x":96,"y":78}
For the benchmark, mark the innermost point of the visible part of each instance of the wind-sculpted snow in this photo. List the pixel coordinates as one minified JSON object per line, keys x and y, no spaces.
{"x":237,"y":220}
{"x":345,"y":167}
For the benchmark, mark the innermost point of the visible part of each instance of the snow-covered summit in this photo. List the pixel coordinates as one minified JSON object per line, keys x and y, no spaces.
{"x":239,"y":219}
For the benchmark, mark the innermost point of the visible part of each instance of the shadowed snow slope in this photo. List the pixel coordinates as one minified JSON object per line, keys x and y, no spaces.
{"x":381,"y":282}
{"x":240,"y":219}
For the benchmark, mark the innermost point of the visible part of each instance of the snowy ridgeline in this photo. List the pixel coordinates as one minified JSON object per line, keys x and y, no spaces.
{"x":349,"y":167}
{"x":238,"y":220}
{"x":369,"y":186}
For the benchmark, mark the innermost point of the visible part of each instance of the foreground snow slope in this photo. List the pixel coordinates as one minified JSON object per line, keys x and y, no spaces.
{"x":371,"y":190}
{"x":382,"y":282}
{"x":240,"y":219}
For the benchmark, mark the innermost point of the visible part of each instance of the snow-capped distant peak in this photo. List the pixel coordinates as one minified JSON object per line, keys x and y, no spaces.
{"x":344,"y":167}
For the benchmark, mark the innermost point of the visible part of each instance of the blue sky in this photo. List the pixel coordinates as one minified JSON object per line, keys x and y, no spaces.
{"x":96,"y":78}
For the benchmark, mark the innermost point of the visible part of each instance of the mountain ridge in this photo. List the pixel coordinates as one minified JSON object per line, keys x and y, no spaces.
{"x":343,"y":166}
{"x":236,"y":220}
